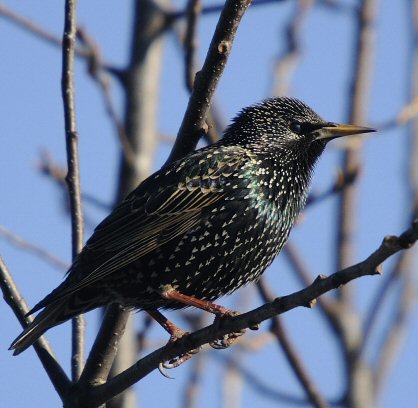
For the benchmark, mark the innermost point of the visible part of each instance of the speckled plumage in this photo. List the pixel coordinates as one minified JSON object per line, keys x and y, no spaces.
{"x":207,"y":224}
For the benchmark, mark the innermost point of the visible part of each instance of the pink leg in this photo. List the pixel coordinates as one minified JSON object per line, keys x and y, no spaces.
{"x":170,"y":293}
{"x":175,"y":334}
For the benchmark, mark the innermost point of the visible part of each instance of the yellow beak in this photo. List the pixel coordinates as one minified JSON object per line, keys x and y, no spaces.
{"x":334,"y":130}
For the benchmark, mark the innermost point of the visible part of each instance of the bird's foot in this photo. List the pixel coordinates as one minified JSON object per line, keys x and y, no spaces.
{"x":221,"y":313}
{"x":227,"y":339}
{"x":170,"y":363}
{"x":176,"y":335}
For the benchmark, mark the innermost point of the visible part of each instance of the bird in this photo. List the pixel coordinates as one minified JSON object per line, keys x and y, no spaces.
{"x":202,"y":226}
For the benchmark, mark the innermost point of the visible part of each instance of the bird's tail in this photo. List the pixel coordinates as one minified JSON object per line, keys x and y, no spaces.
{"x":49,"y":317}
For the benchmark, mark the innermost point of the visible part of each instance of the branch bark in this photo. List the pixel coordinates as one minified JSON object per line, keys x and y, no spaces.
{"x":359,"y":387}
{"x":194,"y":120}
{"x":14,"y":299}
{"x":296,"y":364}
{"x":73,"y":175}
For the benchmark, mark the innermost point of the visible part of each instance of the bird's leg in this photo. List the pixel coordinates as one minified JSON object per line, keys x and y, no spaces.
{"x":175,"y":334}
{"x":170,"y":293}
{"x":220,"y":313}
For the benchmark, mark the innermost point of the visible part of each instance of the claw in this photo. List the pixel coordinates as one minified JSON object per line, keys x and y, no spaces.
{"x":162,"y":371}
{"x":228,"y":339}
{"x":176,"y":361}
{"x":176,"y":334}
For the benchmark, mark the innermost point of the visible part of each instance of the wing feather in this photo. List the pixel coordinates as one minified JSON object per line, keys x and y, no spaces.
{"x":149,"y":218}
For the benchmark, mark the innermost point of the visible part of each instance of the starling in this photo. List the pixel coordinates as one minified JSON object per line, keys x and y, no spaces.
{"x":201,"y":227}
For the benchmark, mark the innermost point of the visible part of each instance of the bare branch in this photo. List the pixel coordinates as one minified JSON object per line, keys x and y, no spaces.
{"x":216,"y":124}
{"x":392,"y":337}
{"x":265,"y":390}
{"x":360,"y":84}
{"x":342,"y":181}
{"x":193,"y":124}
{"x":16,"y":302}
{"x":32,"y":27}
{"x":327,"y":306}
{"x":57,"y":173}
{"x":377,"y":303}
{"x":403,"y":270}
{"x":191,"y":392}
{"x":287,"y":62}
{"x":408,"y":113}
{"x":331,"y":5}
{"x":103,"y":81}
{"x":291,"y":354}
{"x":194,"y":8}
{"x":42,"y":253}
{"x":104,"y":349}
{"x":73,"y":175}
{"x":44,"y":35}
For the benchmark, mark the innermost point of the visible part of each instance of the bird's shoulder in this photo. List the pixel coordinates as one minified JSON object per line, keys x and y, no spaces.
{"x":205,"y":168}
{"x":177,"y":191}
{"x":206,"y":172}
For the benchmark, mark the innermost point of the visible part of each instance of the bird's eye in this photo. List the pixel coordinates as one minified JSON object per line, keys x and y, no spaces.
{"x":296,"y":127}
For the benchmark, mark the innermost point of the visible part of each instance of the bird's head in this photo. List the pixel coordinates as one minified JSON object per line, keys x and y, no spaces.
{"x":287,"y":126}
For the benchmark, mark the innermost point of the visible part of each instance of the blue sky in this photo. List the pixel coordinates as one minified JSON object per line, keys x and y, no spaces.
{"x":32,"y":207}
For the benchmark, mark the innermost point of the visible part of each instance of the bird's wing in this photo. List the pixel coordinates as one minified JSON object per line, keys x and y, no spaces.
{"x":163,"y":207}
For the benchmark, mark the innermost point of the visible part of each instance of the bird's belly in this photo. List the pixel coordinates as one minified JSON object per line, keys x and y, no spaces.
{"x":207,"y":262}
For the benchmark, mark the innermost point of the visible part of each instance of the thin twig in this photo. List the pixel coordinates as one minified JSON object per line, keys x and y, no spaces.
{"x":14,"y":299}
{"x":391,"y":339}
{"x":287,"y":62}
{"x":331,"y":5}
{"x":73,"y":175}
{"x":267,"y":391}
{"x":194,"y":383}
{"x":196,"y":373}
{"x":343,"y":180}
{"x":142,"y":334}
{"x":35,"y":29}
{"x":327,"y":306}
{"x":358,"y":386}
{"x":103,"y":81}
{"x":216,"y":124}
{"x":403,"y":270}
{"x":232,"y":382}
{"x":194,"y":8}
{"x":36,"y":250}
{"x":360,"y":85}
{"x":213,"y":9}
{"x":305,"y":297}
{"x":408,"y":113}
{"x":194,"y":121}
{"x":378,"y":300}
{"x":57,"y":173}
{"x":296,"y":364}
